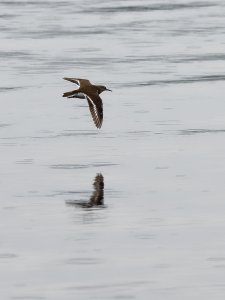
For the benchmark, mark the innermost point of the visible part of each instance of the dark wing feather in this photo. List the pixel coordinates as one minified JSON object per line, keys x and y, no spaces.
{"x":96,"y":108}
{"x":78,"y":81}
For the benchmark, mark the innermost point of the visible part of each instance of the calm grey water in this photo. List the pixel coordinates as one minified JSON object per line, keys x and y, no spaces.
{"x":159,"y":231}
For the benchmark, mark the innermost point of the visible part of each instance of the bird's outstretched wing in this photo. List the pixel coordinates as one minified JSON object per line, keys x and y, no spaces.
{"x":78,"y":81}
{"x":96,"y":108}
{"x":69,"y":94}
{"x":97,"y":197}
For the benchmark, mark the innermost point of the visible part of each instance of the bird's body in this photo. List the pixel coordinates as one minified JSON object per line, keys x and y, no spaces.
{"x":91,"y":92}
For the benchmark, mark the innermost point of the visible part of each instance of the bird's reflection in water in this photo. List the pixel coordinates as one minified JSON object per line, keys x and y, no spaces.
{"x":97,"y":197}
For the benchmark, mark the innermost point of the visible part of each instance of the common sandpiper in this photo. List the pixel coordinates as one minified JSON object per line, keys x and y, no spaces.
{"x":91,"y":92}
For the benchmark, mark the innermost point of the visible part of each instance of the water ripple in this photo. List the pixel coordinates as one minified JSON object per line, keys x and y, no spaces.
{"x":151,"y":7}
{"x":10,"y":88}
{"x":200,"y":131}
{"x":186,"y":80}
{"x":129,"y":284}
{"x":81,"y":166}
{"x":83,"y":261}
{"x":7,"y":255}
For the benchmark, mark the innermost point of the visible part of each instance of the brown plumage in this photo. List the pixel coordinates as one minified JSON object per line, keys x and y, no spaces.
{"x":91,"y":92}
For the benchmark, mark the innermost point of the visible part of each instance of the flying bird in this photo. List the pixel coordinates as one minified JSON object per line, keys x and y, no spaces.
{"x":91,"y":92}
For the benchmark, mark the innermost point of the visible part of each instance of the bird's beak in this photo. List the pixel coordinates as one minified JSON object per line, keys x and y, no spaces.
{"x":108,"y":90}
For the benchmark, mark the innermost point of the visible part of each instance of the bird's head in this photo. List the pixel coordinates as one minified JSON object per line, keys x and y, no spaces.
{"x":102,"y":88}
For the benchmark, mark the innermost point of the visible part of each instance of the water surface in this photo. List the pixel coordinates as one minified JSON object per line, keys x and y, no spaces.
{"x":158,"y":231}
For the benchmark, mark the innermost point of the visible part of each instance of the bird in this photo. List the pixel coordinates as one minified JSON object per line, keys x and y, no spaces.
{"x":97,"y":197}
{"x":91,"y":92}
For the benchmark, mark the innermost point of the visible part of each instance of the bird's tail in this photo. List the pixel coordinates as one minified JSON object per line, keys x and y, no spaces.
{"x":71,"y":93}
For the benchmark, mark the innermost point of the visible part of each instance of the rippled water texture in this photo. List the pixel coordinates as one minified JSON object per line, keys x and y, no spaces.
{"x":134,"y":210}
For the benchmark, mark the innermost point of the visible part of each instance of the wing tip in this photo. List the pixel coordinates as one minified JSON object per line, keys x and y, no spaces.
{"x":98,"y":123}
